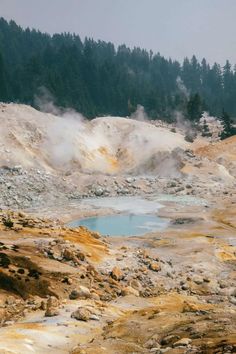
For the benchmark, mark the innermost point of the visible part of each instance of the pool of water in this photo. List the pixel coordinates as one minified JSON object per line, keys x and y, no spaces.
{"x":123,"y":224}
{"x":132,"y":216}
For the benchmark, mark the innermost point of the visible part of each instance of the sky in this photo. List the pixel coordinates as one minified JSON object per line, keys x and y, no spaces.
{"x":175,"y":28}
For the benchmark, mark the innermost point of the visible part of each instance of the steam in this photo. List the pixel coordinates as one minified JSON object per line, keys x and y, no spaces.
{"x":71,"y":143}
{"x":61,"y":136}
{"x":60,"y":142}
{"x":182,"y":88}
{"x":140,"y":114}
{"x":108,"y":145}
{"x":163,"y":164}
{"x":45,"y":102}
{"x":181,"y":121}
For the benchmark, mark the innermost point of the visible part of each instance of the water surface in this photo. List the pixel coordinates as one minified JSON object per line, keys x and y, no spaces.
{"x":123,"y":224}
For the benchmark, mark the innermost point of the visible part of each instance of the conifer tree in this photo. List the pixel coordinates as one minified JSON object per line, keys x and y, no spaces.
{"x":194,"y":107}
{"x":3,"y":81}
{"x":228,"y":128}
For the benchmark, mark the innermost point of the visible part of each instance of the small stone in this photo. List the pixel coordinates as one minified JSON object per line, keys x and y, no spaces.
{"x":67,"y":280}
{"x":169,"y":275}
{"x":232,"y":300}
{"x":172,"y":338}
{"x":9,"y":323}
{"x":96,"y":235}
{"x":52,"y":311}
{"x":129,"y":179}
{"x":189,"y":307}
{"x":78,"y":351}
{"x":81,"y":314}
{"x":134,"y":283}
{"x":184,"y":287}
{"x":206,"y":280}
{"x":95,"y":296}
{"x":182,"y":342}
{"x":52,"y":307}
{"x":80,"y":256}
{"x":99,"y":192}
{"x":43,"y":305}
{"x":81,"y":293}
{"x":155,"y":267}
{"x":197,"y":279}
{"x":10,"y":300}
{"x":68,"y":254}
{"x":155,"y":350}
{"x":116,"y":273}
{"x":165,"y":350}
{"x":128,"y":290}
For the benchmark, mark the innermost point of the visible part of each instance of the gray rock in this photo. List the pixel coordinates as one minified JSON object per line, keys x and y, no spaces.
{"x":232,"y":300}
{"x":99,"y":192}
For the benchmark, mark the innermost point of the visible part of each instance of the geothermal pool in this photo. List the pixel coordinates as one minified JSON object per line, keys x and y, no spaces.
{"x":129,"y":216}
{"x":123,"y":225}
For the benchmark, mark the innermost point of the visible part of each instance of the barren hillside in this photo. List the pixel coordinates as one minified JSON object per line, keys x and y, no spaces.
{"x":107,"y":145}
{"x":171,"y":290}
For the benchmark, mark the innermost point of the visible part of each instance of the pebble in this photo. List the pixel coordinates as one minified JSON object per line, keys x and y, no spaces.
{"x":182,"y":342}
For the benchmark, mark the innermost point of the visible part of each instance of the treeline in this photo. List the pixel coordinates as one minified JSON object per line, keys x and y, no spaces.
{"x":97,"y":79}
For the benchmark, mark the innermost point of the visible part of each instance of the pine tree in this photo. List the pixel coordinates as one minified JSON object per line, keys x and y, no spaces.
{"x":3,"y":81}
{"x":95,"y":78}
{"x":195,"y":107}
{"x":228,"y":128}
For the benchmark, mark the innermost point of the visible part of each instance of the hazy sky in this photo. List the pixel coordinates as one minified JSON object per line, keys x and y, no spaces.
{"x":175,"y":28}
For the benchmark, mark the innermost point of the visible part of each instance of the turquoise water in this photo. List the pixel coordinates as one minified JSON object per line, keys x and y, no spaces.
{"x":122,"y":224}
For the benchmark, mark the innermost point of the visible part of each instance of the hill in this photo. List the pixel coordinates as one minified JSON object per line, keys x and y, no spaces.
{"x":70,"y":143}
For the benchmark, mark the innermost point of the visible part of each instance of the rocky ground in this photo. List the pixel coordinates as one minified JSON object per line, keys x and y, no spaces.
{"x":65,"y":290}
{"x":48,"y":159}
{"x":29,"y":188}
{"x":170,"y":292}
